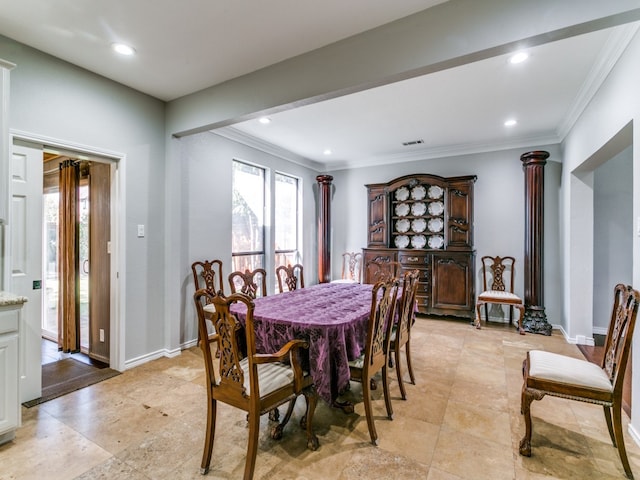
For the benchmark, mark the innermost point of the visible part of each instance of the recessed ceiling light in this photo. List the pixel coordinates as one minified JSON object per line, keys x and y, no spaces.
{"x":264,"y":120}
{"x":327,"y":151}
{"x":519,"y":57}
{"x":123,"y":49}
{"x":510,"y":123}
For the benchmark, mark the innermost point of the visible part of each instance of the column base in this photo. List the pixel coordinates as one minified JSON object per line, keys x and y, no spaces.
{"x":535,"y":321}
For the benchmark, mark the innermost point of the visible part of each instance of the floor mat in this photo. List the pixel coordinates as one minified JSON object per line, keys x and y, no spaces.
{"x":66,"y":376}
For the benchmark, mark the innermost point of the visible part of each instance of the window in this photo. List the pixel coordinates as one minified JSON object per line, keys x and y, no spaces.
{"x":286,"y":220}
{"x":247,"y":228}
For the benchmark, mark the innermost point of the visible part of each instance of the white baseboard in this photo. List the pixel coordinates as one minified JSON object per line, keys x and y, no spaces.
{"x":159,"y":354}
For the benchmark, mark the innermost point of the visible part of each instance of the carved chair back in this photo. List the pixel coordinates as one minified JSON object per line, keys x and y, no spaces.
{"x":251,"y":283}
{"x":290,"y":277}
{"x":498,"y":273}
{"x":352,"y":266}
{"x":208,"y":274}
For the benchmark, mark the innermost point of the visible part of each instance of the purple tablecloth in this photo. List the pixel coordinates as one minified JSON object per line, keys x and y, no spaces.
{"x":331,"y":316}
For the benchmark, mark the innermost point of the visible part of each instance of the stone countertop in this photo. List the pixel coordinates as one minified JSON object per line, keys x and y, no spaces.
{"x":7,"y":299}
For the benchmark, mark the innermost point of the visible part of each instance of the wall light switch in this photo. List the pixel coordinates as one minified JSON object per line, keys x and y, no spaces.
{"x":140,"y":231}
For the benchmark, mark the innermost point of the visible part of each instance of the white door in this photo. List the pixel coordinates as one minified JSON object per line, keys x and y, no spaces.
{"x":26,"y":259}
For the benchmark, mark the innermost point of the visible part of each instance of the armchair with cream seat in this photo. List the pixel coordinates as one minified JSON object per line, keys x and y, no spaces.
{"x":256,"y":383}
{"x":547,"y":373}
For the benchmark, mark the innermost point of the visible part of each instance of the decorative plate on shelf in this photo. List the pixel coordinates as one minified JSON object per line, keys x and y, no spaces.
{"x":401,"y":241}
{"x":436,"y":208}
{"x":418,"y":193}
{"x":436,"y":241}
{"x":418,"y":209}
{"x":418,"y":225}
{"x":402,"y":194}
{"x":418,"y":241}
{"x":435,"y":192}
{"x":402,"y":225}
{"x":435,"y":225}
{"x":402,"y":209}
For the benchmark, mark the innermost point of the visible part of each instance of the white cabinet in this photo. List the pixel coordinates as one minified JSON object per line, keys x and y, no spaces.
{"x":10,"y":318}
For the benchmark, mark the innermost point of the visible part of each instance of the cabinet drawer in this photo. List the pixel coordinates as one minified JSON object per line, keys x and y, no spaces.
{"x":414,"y":258}
{"x":9,"y":321}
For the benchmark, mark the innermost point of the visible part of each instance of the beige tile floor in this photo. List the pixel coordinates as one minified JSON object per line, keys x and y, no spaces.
{"x":461,"y":421}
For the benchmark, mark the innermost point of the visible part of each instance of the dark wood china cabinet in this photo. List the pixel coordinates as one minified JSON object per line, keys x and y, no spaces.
{"x":425,"y":222}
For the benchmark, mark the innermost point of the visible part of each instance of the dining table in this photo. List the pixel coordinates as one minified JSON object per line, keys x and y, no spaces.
{"x":331,"y":317}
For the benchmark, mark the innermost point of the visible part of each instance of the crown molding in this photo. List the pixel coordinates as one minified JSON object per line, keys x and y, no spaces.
{"x":443,"y":152}
{"x":236,"y":135}
{"x":415,"y":155}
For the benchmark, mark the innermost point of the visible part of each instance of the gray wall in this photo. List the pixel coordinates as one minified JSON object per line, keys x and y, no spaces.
{"x":206,"y":164}
{"x":613,"y":233}
{"x":498,"y":207}
{"x":54,"y":99}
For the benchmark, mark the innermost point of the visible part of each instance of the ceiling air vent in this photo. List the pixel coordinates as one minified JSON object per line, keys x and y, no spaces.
{"x":412,"y":142}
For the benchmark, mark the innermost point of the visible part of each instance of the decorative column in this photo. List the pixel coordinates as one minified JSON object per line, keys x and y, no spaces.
{"x":535,"y":319}
{"x":324,"y":228}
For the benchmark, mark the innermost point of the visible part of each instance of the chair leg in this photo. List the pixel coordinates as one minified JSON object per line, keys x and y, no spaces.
{"x":407,"y":352}
{"x":385,"y":389}
{"x":478,"y":314}
{"x":277,"y":430}
{"x":274,"y":415}
{"x":607,"y":417}
{"x":396,"y":353}
{"x":311,"y":396}
{"x":209,"y":436}
{"x":366,"y":394}
{"x":619,"y":439}
{"x":525,"y":408}
{"x":520,"y":319}
{"x":252,"y":446}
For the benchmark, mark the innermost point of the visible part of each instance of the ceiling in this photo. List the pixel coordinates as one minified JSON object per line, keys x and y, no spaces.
{"x":183,"y":47}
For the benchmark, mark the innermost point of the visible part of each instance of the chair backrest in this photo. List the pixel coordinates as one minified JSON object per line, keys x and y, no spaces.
{"x":620,"y":334}
{"x":407,"y":306}
{"x":252,"y":283}
{"x":291,"y":277}
{"x":381,"y":270}
{"x":498,"y":273}
{"x":231,"y":344}
{"x":352,"y":266}
{"x":383,"y":304}
{"x":208,"y":274}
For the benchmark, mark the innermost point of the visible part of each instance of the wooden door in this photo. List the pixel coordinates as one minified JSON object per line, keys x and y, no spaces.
{"x":99,"y":260}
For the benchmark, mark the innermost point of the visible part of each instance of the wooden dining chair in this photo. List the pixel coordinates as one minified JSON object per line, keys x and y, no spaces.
{"x":547,"y":373}
{"x":207,"y":274}
{"x":255,"y":383}
{"x":375,"y":356}
{"x":252,"y":283}
{"x":498,"y":291}
{"x":291,"y":277}
{"x":401,"y":331}
{"x":351,"y":268}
